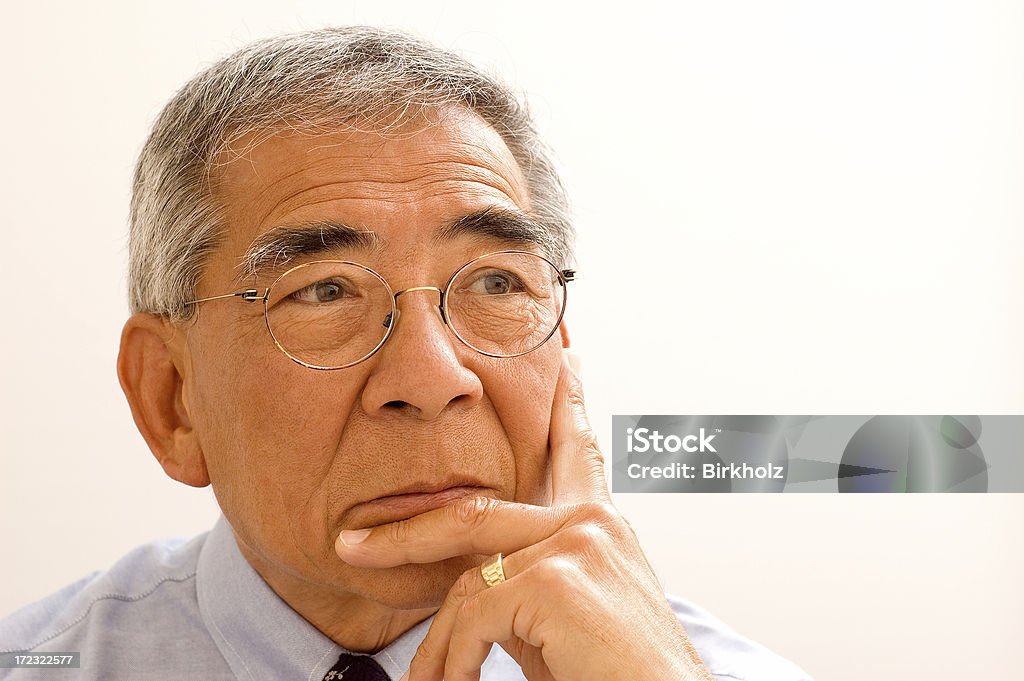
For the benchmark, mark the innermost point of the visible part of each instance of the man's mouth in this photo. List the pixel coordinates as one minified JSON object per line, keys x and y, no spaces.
{"x":422,"y":498}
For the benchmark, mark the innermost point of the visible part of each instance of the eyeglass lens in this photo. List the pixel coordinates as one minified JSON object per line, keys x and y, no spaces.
{"x":333,"y":314}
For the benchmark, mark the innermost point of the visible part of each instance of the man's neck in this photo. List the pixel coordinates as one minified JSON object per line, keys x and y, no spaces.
{"x":353,"y":622}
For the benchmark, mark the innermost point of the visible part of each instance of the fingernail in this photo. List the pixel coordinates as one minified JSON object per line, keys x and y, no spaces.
{"x":350,"y":537}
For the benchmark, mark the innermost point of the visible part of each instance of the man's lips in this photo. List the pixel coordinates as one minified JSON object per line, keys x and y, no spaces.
{"x":401,"y":506}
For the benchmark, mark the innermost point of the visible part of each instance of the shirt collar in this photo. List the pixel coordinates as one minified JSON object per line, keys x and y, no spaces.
{"x":259,"y":634}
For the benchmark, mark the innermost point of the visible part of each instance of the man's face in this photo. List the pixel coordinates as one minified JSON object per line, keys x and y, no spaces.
{"x":294,"y":454}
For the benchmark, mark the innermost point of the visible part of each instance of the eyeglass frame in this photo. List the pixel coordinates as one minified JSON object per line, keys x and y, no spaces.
{"x":252,"y":295}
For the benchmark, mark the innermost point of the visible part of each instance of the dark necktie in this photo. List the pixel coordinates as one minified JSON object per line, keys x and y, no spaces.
{"x":356,"y":668}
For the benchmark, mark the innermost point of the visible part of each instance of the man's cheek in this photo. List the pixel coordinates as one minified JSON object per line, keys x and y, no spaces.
{"x":533,"y":475}
{"x":285,"y":401}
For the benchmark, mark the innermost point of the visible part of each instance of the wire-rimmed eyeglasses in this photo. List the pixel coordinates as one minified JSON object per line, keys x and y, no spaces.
{"x":333,"y":314}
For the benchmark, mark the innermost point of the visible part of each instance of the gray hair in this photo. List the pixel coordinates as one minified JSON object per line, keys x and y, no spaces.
{"x":315,"y":81}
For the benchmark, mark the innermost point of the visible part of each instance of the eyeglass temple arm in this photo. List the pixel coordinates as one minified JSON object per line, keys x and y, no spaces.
{"x":249,"y":295}
{"x":569,"y":275}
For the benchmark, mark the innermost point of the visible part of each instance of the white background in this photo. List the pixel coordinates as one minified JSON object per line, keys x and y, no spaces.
{"x":784,"y":207}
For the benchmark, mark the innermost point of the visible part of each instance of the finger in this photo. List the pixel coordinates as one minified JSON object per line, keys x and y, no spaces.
{"x":577,"y":464}
{"x":446,"y":637}
{"x":468,"y":526}
{"x":495,"y":614}
{"x":427,"y":663}
{"x":429,"y":660}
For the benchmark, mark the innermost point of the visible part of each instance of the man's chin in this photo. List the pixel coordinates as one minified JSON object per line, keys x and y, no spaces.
{"x":411,"y":586}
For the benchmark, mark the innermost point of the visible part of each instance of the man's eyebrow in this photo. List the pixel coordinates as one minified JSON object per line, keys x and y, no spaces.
{"x":276,"y":247}
{"x":502,"y":224}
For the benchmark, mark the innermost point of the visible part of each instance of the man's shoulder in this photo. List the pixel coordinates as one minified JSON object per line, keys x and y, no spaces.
{"x":726,"y":653}
{"x":151,"y":583}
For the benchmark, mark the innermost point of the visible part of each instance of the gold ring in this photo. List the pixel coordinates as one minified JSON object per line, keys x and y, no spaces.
{"x":492,"y":572}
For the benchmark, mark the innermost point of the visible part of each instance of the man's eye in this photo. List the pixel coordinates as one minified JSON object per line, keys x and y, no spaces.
{"x":496,"y":283}
{"x":326,"y":291}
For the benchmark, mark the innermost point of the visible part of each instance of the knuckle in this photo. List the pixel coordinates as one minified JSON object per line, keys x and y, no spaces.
{"x":586,"y":442}
{"x":471,"y":509}
{"x":585,"y":537}
{"x":606,"y":518}
{"x":465,"y":586}
{"x":399,"y":532}
{"x":426,"y":649}
{"x":516,"y":647}
{"x":574,"y":394}
{"x":555,"y":571}
{"x":472,"y":512}
{"x":601,"y":513}
{"x":468,"y":610}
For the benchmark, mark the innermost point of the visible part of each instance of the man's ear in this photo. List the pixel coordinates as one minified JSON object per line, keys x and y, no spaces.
{"x":563,"y":330}
{"x":149,"y":369}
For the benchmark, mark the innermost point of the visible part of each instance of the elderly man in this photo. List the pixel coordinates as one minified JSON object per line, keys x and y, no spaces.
{"x":349,"y":267}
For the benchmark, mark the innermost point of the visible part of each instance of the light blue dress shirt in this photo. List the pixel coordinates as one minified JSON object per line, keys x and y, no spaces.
{"x":195,"y":609}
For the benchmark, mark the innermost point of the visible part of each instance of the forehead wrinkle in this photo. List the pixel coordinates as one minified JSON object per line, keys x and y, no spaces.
{"x":414,"y":168}
{"x":284,"y":204}
{"x":267,"y":189}
{"x":485,"y":158}
{"x":394,"y":191}
{"x":417,"y":166}
{"x":480,"y":173}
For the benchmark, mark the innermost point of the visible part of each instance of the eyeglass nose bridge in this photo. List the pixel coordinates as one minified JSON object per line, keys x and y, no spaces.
{"x":440,"y":304}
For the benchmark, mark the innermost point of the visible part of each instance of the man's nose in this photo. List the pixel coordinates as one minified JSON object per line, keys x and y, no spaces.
{"x":418,"y":369}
